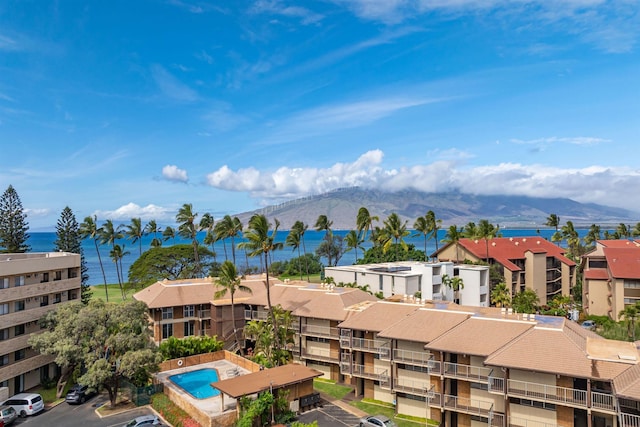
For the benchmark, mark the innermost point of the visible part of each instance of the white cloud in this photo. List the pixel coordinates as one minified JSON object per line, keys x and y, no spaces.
{"x":595,"y":184}
{"x":37,"y":212}
{"x":173,"y":173}
{"x":276,"y":7}
{"x":132,"y":210}
{"x":170,"y":86}
{"x":578,"y":140}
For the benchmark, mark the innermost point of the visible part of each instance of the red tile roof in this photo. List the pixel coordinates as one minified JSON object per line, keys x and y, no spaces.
{"x":620,"y":243}
{"x":596,"y":274}
{"x":623,"y":263}
{"x":503,"y":249}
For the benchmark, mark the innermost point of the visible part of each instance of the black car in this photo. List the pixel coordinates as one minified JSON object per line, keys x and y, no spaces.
{"x":79,"y":394}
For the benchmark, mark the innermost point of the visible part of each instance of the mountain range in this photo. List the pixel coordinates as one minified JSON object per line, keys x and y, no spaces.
{"x":341,"y":206}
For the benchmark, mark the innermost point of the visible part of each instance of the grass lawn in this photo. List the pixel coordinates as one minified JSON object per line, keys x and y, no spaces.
{"x":388,"y":410}
{"x":49,"y":394}
{"x":113,"y":291}
{"x":331,"y":388}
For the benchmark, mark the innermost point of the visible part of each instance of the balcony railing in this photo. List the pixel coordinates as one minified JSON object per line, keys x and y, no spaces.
{"x":473,"y":373}
{"x":255,"y":315}
{"x":548,"y":393}
{"x":496,"y":419}
{"x":418,"y":358}
{"x":434,"y":399}
{"x":418,"y":388}
{"x":373,"y":346}
{"x":320,"y":354}
{"x":523,"y":422}
{"x":320,"y":331}
{"x":204,"y":314}
{"x":629,"y":420}
{"x":603,"y":401}
{"x":468,"y":406}
{"x":496,"y":384}
{"x":362,"y":371}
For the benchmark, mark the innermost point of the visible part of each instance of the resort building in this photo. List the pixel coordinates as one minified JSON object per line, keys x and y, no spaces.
{"x":611,"y":278}
{"x":31,"y":284}
{"x":524,"y":262}
{"x":414,"y":278}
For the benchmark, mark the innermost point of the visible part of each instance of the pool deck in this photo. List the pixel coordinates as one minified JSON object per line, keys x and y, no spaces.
{"x":211,"y":406}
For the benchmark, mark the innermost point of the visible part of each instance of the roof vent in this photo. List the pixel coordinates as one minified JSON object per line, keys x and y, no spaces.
{"x":524,"y":240}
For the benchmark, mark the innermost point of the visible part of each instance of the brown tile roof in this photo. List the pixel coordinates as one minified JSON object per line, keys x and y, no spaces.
{"x":503,"y":249}
{"x":623,"y":263}
{"x":378,"y":316}
{"x":556,"y":347}
{"x":480,"y":336}
{"x":331,"y":305}
{"x":627,"y":384}
{"x":278,"y":377}
{"x":175,"y":293}
{"x":424,"y":325}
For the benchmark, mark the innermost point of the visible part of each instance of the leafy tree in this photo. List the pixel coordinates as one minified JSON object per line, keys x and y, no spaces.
{"x":592,"y":235}
{"x":364,"y":222}
{"x":331,"y":248}
{"x":271,"y":341}
{"x":110,"y":341}
{"x":558,"y":305}
{"x":89,"y":230}
{"x":395,"y":230}
{"x":300,"y":229}
{"x":175,"y":348}
{"x":13,"y":224}
{"x":117,"y":253}
{"x":500,"y":295}
{"x":153,"y":228}
{"x":228,"y":282}
{"x":294,"y":239}
{"x":553,"y":220}
{"x":526,"y":301}
{"x":433,"y":224}
{"x":454,"y":283}
{"x":630,"y":315}
{"x":422,"y":228}
{"x":169,"y":233}
{"x":376,"y":254}
{"x":187,"y":229}
{"x":69,"y":239}
{"x":487,"y":231}
{"x":135,"y":231}
{"x":470,"y":231}
{"x":454,"y":234}
{"x":354,"y":241}
{"x":166,"y":262}
{"x":109,"y":235}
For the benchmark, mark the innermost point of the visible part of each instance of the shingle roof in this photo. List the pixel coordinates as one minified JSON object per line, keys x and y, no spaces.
{"x":503,"y":249}
{"x":627,"y":384}
{"x":619,"y":243}
{"x":378,"y":316}
{"x":596,"y":274}
{"x":175,"y":293}
{"x":623,"y":263}
{"x":256,"y":382}
{"x":424,"y":325}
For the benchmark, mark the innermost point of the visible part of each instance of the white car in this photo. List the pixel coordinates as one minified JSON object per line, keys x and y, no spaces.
{"x":26,"y":403}
{"x":144,"y":420}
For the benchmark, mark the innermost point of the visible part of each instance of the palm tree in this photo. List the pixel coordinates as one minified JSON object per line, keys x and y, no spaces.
{"x":301,"y":228}
{"x":152,"y":228}
{"x":592,"y":235}
{"x":423,"y":229}
{"x":210,"y":239}
{"x":433,"y":225}
{"x":230,"y":228}
{"x":553,"y":220}
{"x":396,"y":230}
{"x":89,"y":229}
{"x":323,"y":224}
{"x":206,"y":223}
{"x":636,"y":230}
{"x":134,"y":232}
{"x":455,"y":283}
{"x":294,"y":240}
{"x":187,"y":229}
{"x":470,"y":231}
{"x":486,"y":231}
{"x":573,"y":239}
{"x":169,"y":233}
{"x":221,"y":234}
{"x":261,"y":242}
{"x":116,"y":254}
{"x":353,"y":241}
{"x":454,"y":234}
{"x":500,"y":296}
{"x":623,"y":230}
{"x":109,"y":235}
{"x":229,"y":282}
{"x":364,"y":221}
{"x":630,"y":314}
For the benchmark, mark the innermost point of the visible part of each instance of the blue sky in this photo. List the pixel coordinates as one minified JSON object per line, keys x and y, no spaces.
{"x":132,"y":108}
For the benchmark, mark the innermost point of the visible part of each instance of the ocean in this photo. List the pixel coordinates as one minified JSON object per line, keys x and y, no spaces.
{"x":44,"y":242}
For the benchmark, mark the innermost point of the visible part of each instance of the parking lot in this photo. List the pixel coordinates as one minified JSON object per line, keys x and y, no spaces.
{"x":329,"y":415}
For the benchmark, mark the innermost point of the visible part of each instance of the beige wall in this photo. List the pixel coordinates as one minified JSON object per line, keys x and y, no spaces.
{"x":532,"y":377}
{"x":414,"y":408}
{"x":598,"y":298}
{"x":383,"y":394}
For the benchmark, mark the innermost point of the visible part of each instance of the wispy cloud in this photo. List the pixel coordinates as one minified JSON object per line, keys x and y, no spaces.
{"x":174,"y":173}
{"x":197,"y":7}
{"x":170,"y":86}
{"x":222,"y":118}
{"x":132,"y":210}
{"x":204,"y":56}
{"x":590,"y":184}
{"x":9,"y":44}
{"x":579,"y":140}
{"x":6,"y":97}
{"x":276,"y":7}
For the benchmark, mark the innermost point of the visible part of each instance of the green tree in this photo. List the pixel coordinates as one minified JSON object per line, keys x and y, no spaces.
{"x":354,"y":241}
{"x":89,"y":230}
{"x":630,"y":315}
{"x":110,"y":341}
{"x":470,"y":231}
{"x":553,"y":220}
{"x":167,"y":262}
{"x":294,"y":240}
{"x":454,"y":234}
{"x":228,"y":282}
{"x":175,"y":348}
{"x":187,"y":229}
{"x":13,"y":223}
{"x":592,"y":235}
{"x":261,"y":242}
{"x":422,"y":228}
{"x":271,"y":341}
{"x":134,"y":232}
{"x":500,"y":295}
{"x":117,"y":253}
{"x":69,"y":239}
{"x":109,"y":235}
{"x":395,"y":231}
{"x":230,"y":228}
{"x":301,"y":228}
{"x":376,"y":254}
{"x":332,"y":248}
{"x":526,"y":301}
{"x":153,"y":228}
{"x":455,"y":283}
{"x":169,"y":233}
{"x":487,"y":231}
{"x":364,"y":222}
{"x":635,"y":232}
{"x":433,"y":224}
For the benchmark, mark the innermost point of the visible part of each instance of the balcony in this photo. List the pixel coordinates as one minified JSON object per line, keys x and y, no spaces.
{"x":629,"y":420}
{"x":496,"y":384}
{"x":362,"y":371}
{"x":204,"y":314}
{"x":603,"y":402}
{"x":496,"y":419}
{"x":522,"y":422}
{"x":418,"y":388}
{"x":319,"y":331}
{"x":321,"y":354}
{"x":468,"y":406}
{"x":466,"y":372}
{"x":547,"y":393}
{"x":255,"y":315}
{"x":372,"y":346}
{"x":416,"y":358}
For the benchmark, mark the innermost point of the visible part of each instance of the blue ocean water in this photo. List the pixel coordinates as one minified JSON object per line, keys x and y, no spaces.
{"x":44,"y":242}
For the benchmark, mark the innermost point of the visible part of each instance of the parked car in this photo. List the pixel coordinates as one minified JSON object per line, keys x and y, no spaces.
{"x":79,"y":394}
{"x":7,"y":415}
{"x":26,"y":403}
{"x":144,"y":420}
{"x":377,"y":421}
{"x":589,"y":324}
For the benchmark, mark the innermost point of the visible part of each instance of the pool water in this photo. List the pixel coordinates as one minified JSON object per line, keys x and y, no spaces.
{"x":197,"y":383}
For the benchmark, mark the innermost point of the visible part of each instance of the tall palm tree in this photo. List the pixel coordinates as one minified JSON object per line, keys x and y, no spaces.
{"x":89,"y":230}
{"x":636,"y":230}
{"x":630,"y":314}
{"x":553,"y":220}
{"x":206,"y":223}
{"x":454,"y":234}
{"x":152,"y":228}
{"x":294,"y":240}
{"x":396,"y":230}
{"x":230,"y":228}
{"x":434,"y":225}
{"x":470,"y":231}
{"x":116,"y":254}
{"x":570,"y":234}
{"x":134,"y":232}
{"x":486,"y":231}
{"x":422,"y":228}
{"x":455,"y":283}
{"x":228,"y":282}
{"x":210,"y":239}
{"x":169,"y":233}
{"x":500,"y":296}
{"x":364,"y":221}
{"x":261,"y":242}
{"x":109,"y":235}
{"x":187,"y":229}
{"x":221,"y":234}
{"x":592,"y":235}
{"x":623,"y":230}
{"x":301,"y":228}
{"x":354,"y":241}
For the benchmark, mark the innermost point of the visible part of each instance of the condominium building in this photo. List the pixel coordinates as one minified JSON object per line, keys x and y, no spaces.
{"x":611,"y":278}
{"x":31,"y":284}
{"x":411,"y":278}
{"x":524,"y":262}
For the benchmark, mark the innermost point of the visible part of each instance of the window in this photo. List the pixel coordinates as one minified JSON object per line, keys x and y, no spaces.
{"x":18,"y":330}
{"x":480,"y":386}
{"x":189,"y":310}
{"x":4,"y":334}
{"x":44,"y":300}
{"x":19,"y":305}
{"x":4,"y":308}
{"x":71,"y":295}
{"x":45,"y":277}
{"x":57,"y":298}
{"x":167,"y":313}
{"x":167,"y":331}
{"x":4,"y":360}
{"x":72,"y":273}
{"x":20,"y":354}
{"x":18,"y":281}
{"x":189,"y":329}
{"x":632,"y":284}
{"x":58,"y":275}
{"x":483,"y":298}
{"x":4,"y":282}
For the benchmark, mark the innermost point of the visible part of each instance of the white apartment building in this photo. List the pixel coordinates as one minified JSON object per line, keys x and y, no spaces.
{"x":31,"y":284}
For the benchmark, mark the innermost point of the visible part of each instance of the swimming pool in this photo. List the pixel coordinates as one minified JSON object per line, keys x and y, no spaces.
{"x":197,"y":383}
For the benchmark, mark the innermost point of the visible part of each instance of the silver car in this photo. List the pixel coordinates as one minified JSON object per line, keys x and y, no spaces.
{"x":144,"y":420}
{"x":7,"y":414}
{"x":377,"y":421}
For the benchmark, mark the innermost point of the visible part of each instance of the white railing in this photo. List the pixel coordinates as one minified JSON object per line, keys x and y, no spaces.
{"x":320,"y":331}
{"x":629,"y":420}
{"x":420,"y":358}
{"x":374,"y":346}
{"x":320,"y":354}
{"x":458,"y":370}
{"x":495,"y":419}
{"x":204,"y":314}
{"x":468,"y":406}
{"x":604,"y":401}
{"x":496,"y":385}
{"x":523,"y":422}
{"x":547,"y":393}
{"x":420,"y":388}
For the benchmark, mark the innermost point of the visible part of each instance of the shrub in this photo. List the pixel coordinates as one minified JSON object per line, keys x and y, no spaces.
{"x":171,"y":412}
